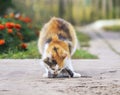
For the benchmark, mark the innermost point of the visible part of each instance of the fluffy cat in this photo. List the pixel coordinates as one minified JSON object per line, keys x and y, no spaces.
{"x":57,"y":43}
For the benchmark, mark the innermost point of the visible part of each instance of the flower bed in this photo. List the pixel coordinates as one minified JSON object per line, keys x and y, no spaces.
{"x":15,"y":32}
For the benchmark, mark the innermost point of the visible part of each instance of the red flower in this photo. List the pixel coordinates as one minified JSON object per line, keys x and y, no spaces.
{"x":23,"y":45}
{"x":17,"y":26}
{"x":26,"y":20}
{"x":20,"y":18}
{"x":2,"y":42}
{"x":9,"y":25}
{"x":2,"y":27}
{"x":10,"y":31}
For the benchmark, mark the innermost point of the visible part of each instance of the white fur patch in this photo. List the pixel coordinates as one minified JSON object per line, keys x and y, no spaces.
{"x":45,"y":54}
{"x":76,"y":75}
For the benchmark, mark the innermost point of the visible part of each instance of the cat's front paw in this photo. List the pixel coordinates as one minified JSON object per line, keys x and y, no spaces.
{"x":76,"y":75}
{"x":45,"y":75}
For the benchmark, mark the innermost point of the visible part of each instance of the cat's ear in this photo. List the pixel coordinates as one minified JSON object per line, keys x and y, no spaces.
{"x":46,"y":60}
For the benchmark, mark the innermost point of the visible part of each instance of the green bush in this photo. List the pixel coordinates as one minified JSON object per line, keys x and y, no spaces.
{"x":4,"y":5}
{"x":15,"y":32}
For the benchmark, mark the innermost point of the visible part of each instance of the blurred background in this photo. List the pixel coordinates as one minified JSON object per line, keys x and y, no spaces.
{"x":78,"y":12}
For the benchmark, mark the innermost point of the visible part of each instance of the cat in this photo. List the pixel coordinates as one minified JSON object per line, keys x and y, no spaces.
{"x":57,"y":43}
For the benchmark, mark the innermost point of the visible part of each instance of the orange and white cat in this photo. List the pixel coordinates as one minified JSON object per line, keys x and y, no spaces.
{"x":57,"y":43}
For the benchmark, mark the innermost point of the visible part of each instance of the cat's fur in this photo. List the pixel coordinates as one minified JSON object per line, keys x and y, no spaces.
{"x":57,"y":43}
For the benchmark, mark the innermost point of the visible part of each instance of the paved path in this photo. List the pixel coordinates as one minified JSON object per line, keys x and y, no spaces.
{"x":104,"y":44}
{"x":24,"y":77}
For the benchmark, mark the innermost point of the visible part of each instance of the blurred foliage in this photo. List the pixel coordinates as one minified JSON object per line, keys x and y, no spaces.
{"x":75,"y":11}
{"x":115,"y":28}
{"x":4,"y":5}
{"x":32,"y":52}
{"x":15,"y":32}
{"x":82,"y":54}
{"x":83,"y":39}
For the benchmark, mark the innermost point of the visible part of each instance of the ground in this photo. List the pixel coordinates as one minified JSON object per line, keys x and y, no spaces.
{"x":24,"y":77}
{"x":99,"y":76}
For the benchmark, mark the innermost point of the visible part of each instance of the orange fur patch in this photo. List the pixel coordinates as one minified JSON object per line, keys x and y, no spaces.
{"x":62,"y":50}
{"x":53,"y":28}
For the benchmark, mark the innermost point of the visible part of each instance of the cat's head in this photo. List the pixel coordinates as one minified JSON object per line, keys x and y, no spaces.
{"x":52,"y":66}
{"x":58,"y":51}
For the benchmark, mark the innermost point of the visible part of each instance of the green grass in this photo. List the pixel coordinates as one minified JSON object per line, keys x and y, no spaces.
{"x":82,"y":54}
{"x":83,"y":39}
{"x":115,"y":28}
{"x":32,"y":51}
